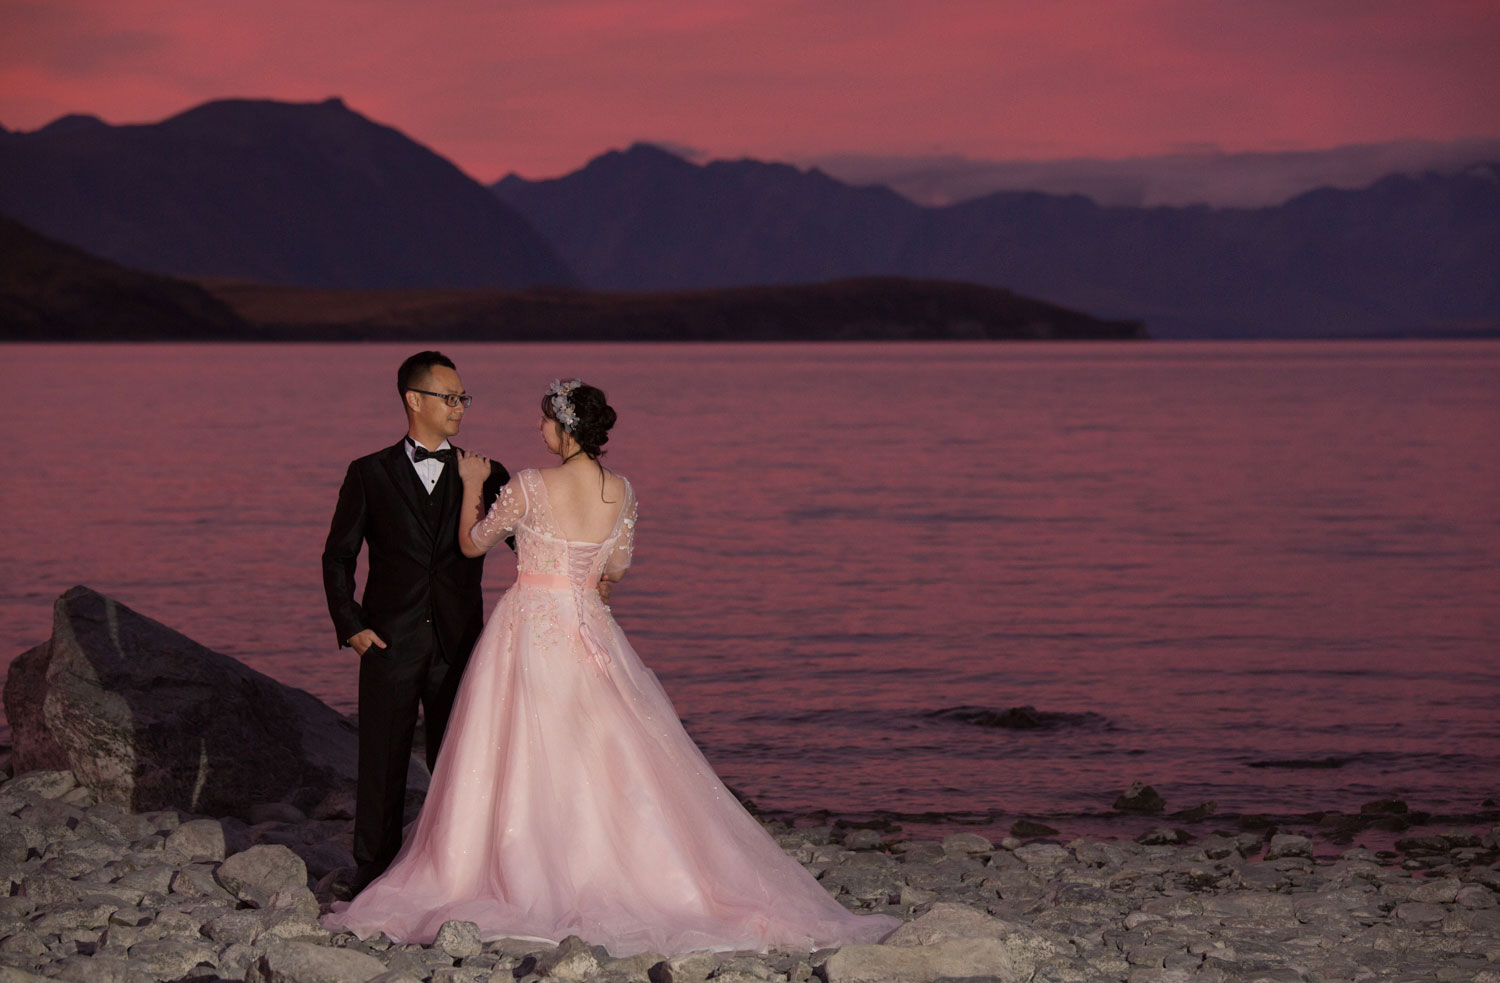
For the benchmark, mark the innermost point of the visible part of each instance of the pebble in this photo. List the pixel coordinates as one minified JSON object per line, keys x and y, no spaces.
{"x":99,"y":894}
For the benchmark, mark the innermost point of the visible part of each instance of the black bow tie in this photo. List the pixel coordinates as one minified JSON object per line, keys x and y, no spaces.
{"x":421,"y":454}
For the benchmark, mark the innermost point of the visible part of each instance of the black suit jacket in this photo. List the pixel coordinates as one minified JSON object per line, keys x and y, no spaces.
{"x":416,"y":571}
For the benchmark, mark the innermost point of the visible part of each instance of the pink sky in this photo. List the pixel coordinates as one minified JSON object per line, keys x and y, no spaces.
{"x":540,"y":86}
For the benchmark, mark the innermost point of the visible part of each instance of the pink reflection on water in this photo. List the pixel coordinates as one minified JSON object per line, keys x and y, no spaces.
{"x":1229,"y":553}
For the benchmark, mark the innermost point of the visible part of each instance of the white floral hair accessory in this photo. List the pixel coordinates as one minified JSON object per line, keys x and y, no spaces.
{"x":562,"y":405}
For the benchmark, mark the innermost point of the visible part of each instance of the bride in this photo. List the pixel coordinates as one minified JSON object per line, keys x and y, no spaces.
{"x":567,"y":799}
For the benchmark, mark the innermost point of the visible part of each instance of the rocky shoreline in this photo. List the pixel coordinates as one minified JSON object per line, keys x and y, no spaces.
{"x":100,"y":893}
{"x":168,"y":815}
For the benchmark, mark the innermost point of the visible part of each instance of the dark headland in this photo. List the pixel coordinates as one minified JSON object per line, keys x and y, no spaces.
{"x":50,"y":291}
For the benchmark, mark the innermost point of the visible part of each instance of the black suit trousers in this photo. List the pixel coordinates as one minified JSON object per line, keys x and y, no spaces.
{"x":393,"y":681}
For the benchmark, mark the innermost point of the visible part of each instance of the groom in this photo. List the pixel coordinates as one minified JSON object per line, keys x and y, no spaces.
{"x":421,"y":611}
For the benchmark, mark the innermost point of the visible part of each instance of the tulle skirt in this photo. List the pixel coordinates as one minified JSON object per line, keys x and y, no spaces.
{"x":568,"y":800}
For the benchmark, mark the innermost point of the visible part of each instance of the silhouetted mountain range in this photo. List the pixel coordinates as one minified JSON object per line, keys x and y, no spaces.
{"x":311,"y":194}
{"x":1407,"y":255}
{"x":1204,"y":176}
{"x":317,"y":195}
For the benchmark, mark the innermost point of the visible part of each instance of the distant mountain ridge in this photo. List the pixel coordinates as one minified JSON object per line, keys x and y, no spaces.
{"x":312,"y":194}
{"x":317,"y":195}
{"x":53,"y":292}
{"x":1220,"y":179}
{"x":1407,"y":255}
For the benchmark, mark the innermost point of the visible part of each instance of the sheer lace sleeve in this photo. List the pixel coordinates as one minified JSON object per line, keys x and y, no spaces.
{"x":619,"y":558}
{"x":509,"y":507}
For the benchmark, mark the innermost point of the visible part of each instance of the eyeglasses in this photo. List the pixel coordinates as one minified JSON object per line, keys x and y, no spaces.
{"x":452,"y":399}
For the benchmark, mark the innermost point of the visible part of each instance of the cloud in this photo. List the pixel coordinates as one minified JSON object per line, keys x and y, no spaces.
{"x":501,"y":85}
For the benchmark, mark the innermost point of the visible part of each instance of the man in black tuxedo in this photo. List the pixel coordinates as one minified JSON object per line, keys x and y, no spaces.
{"x":421,"y":612}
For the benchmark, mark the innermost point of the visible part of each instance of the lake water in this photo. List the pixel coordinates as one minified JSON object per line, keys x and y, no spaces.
{"x":1208,"y":556}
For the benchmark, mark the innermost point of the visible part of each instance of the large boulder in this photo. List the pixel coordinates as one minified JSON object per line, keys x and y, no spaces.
{"x":149,"y":719}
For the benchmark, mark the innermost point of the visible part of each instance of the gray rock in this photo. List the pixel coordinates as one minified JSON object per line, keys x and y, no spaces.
{"x":1474,"y":896}
{"x":290,"y":923}
{"x":235,"y":959}
{"x":49,"y":784}
{"x":920,"y":851}
{"x":629,"y":969}
{"x":198,"y":881}
{"x":690,"y":967}
{"x":1418,"y":913}
{"x":157,"y":878}
{"x":200,"y":839}
{"x":1042,"y":854}
{"x":863,"y":839}
{"x":458,"y":939}
{"x":10,"y":974}
{"x":235,"y":927}
{"x":24,"y":942}
{"x":93,"y":914}
{"x":254,"y":875}
{"x":99,"y":969}
{"x":862,"y":883}
{"x":1288,"y":845}
{"x":958,"y":958}
{"x":150,"y":719}
{"x":1025,"y":949}
{"x":573,"y":959}
{"x":417,"y":961}
{"x":171,"y":958}
{"x":963,"y":844}
{"x":304,"y":962}
{"x":1441,"y":891}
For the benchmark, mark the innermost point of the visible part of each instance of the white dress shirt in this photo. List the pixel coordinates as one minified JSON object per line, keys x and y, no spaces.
{"x":429,"y":470}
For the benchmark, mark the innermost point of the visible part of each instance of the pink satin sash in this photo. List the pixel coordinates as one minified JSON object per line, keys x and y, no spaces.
{"x":547,"y":581}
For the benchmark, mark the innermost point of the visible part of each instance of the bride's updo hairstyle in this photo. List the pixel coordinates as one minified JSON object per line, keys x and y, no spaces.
{"x":581,"y":412}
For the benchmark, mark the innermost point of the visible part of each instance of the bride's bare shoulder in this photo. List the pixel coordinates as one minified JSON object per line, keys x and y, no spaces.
{"x":614,"y":484}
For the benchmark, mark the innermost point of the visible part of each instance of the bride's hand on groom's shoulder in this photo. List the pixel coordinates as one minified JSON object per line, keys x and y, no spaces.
{"x":473,"y":467}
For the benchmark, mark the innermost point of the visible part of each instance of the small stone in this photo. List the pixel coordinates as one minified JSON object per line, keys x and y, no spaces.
{"x":1441,"y":891}
{"x":47,"y":784}
{"x":573,"y":959}
{"x":254,"y":875}
{"x":200,"y":839}
{"x":1421,"y":914}
{"x":690,"y":967}
{"x":458,"y":939}
{"x":920,"y":851}
{"x":863,"y":839}
{"x":172,"y":958}
{"x":1037,"y":854}
{"x":962,"y":844}
{"x":305,"y":962}
{"x":1288,"y":845}
{"x":235,"y":927}
{"x":1474,"y":896}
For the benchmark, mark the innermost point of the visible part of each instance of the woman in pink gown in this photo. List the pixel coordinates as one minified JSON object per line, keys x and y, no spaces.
{"x":567,"y":798}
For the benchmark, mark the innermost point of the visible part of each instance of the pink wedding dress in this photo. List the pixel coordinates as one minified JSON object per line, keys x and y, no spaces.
{"x":568,"y":800}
